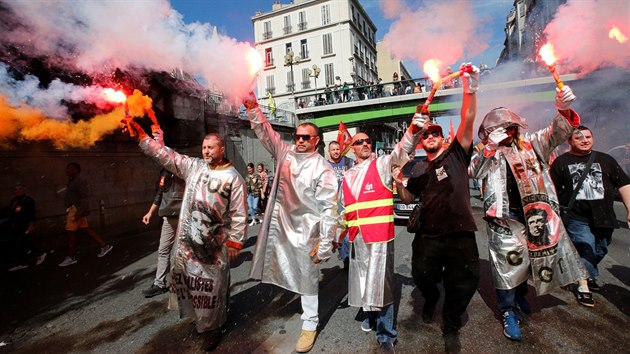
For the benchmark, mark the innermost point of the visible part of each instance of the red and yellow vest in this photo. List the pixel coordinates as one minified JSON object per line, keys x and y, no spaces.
{"x":373,"y":211}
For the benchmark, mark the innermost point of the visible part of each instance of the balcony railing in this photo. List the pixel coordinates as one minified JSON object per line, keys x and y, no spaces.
{"x":306,"y":85}
{"x":267,"y":35}
{"x":286,"y":30}
{"x":271,"y":90}
{"x":290,"y":87}
{"x":302,"y":26}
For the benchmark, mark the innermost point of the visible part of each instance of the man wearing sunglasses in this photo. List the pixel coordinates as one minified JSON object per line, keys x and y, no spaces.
{"x":300,"y":222}
{"x":366,"y":194}
{"x":445,"y":249}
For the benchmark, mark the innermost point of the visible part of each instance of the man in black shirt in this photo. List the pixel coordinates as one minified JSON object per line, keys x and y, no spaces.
{"x":592,"y":218}
{"x":445,"y":249}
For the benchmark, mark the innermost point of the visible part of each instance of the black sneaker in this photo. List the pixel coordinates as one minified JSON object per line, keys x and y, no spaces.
{"x":154,"y":290}
{"x":585,"y":299}
{"x":451,"y":343}
{"x":212,"y":340}
{"x":593,"y":286}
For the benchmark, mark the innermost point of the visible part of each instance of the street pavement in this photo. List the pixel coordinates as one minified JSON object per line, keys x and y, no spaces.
{"x":96,"y":305}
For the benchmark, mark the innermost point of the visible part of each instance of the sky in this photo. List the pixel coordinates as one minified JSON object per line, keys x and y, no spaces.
{"x":233,"y":18}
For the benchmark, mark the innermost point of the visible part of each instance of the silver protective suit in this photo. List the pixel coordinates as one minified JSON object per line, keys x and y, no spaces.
{"x":301,"y":214}
{"x":513,"y":254}
{"x":371,"y":275}
{"x":213,"y":216}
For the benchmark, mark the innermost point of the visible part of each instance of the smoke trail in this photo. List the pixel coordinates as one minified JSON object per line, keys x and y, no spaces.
{"x":445,"y":30}
{"x":579,"y":33}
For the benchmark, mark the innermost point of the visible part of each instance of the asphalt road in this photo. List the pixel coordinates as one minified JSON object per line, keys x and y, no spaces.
{"x":96,"y":306}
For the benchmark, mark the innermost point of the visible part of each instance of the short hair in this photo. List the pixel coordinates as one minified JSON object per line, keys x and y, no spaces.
{"x":334,"y":142}
{"x":536,"y":211}
{"x":250,"y":165}
{"x":312,"y":125}
{"x":260,"y":164}
{"x":74,"y":165}
{"x":582,"y":127}
{"x":216,"y":136}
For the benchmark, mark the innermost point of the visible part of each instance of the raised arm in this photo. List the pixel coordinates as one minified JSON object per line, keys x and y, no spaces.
{"x":470,"y":83}
{"x":268,"y":137}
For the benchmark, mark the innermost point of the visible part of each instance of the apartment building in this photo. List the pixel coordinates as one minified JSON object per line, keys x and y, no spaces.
{"x":310,"y":44}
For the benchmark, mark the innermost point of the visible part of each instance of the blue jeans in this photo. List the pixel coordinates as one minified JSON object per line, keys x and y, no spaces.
{"x":344,"y":250}
{"x":590,"y":242}
{"x":384,"y":320}
{"x":506,"y":298}
{"x":252,"y":204}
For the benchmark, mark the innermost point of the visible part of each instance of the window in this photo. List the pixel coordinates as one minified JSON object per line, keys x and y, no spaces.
{"x":287,"y":24}
{"x":302,"y":20}
{"x":328,"y":48}
{"x":288,"y":48}
{"x":290,"y":82}
{"x":354,"y":17}
{"x":329,"y":74}
{"x":326,"y":14}
{"x":267,"y":30}
{"x":306,"y":79}
{"x":303,"y":49}
{"x":268,"y":57}
{"x":271,"y":87}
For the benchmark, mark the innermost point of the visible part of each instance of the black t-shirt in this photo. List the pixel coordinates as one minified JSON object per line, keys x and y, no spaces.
{"x":594,"y":201}
{"x":443,"y":188}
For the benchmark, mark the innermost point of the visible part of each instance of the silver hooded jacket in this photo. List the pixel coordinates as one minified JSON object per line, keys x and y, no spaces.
{"x":371,"y":275}
{"x":301,"y":214}
{"x":513,"y":257}
{"x":212,"y":217}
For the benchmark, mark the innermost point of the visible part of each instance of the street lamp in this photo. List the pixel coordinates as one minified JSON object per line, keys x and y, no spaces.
{"x":315,"y":73}
{"x":289,"y":60}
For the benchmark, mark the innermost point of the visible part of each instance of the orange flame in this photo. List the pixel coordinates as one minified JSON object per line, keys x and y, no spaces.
{"x":547,"y":54}
{"x":615,"y":33}
{"x":112,"y":95}
{"x":431,"y":67}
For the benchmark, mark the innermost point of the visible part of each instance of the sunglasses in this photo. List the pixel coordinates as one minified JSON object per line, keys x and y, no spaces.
{"x":304,"y":137}
{"x":361,"y":141}
{"x":435,"y":134}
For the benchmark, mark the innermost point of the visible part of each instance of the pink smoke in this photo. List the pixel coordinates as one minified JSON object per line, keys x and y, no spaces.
{"x":579,"y":33}
{"x":446,"y":30}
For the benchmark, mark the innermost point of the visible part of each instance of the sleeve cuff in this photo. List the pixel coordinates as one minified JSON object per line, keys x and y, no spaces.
{"x":237,"y":245}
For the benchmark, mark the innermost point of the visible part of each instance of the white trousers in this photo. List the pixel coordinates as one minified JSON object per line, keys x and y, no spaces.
{"x":310,"y":304}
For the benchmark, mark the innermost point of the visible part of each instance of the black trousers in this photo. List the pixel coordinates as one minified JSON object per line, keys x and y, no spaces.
{"x":454,"y":260}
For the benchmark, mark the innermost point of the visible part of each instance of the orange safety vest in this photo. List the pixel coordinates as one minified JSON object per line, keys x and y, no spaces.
{"x":373,"y":211}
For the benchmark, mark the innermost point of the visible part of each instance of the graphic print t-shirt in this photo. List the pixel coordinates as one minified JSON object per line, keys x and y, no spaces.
{"x":594,"y":201}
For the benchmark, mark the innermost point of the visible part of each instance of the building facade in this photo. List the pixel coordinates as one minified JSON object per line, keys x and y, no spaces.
{"x":308,"y":45}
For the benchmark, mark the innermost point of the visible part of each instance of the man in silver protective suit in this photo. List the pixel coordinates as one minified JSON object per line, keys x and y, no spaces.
{"x":366,"y":195}
{"x":301,"y":218}
{"x":517,"y":187}
{"x":211,"y":231}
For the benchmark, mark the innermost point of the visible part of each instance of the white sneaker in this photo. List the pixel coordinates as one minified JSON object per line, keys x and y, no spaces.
{"x":40,"y":259}
{"x":252,"y":223}
{"x":68,"y":261}
{"x":105,"y":250}
{"x":18,"y":267}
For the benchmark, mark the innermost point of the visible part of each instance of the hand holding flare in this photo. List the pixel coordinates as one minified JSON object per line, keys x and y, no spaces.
{"x":548,"y":56}
{"x":424,"y":109}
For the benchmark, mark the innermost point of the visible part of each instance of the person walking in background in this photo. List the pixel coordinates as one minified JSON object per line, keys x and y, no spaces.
{"x":21,"y":228}
{"x":264,"y":191}
{"x":254,"y":186}
{"x":340,"y":164}
{"x":300,"y":222}
{"x":445,"y":248}
{"x":591,"y":217}
{"x":77,"y":207}
{"x":514,"y":169}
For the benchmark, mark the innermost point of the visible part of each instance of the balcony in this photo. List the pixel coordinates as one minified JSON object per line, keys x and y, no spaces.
{"x":306,"y":85}
{"x":290,"y":87}
{"x":302,"y":26}
{"x":286,"y":30}
{"x":267,"y":35}
{"x":271,"y":90}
